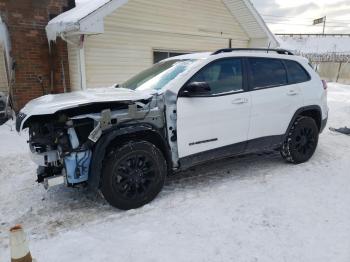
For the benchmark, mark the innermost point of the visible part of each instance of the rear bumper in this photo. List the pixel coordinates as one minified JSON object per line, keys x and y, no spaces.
{"x":323,"y":124}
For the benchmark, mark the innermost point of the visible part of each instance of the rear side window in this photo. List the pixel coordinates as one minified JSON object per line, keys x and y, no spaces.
{"x":296,"y":73}
{"x":267,"y":72}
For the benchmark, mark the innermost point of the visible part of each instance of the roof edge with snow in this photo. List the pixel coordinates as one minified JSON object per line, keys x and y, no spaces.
{"x":273,"y":41}
{"x":255,"y":26}
{"x":88,"y":19}
{"x":84,"y":19}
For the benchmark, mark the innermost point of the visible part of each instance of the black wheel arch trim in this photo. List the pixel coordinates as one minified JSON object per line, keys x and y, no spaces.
{"x":300,"y":112}
{"x":100,"y":148}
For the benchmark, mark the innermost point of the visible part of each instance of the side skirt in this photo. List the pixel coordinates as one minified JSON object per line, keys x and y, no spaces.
{"x":254,"y":145}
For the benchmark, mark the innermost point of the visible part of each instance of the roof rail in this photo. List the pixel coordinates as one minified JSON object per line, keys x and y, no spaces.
{"x":278,"y":51}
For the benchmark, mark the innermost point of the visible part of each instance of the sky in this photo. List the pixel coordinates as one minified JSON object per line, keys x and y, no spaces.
{"x":296,"y":16}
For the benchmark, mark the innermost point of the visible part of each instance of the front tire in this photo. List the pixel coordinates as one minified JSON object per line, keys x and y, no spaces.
{"x":301,"y":141}
{"x":133,"y":175}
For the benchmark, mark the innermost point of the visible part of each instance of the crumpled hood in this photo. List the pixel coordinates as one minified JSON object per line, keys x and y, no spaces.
{"x":50,"y":104}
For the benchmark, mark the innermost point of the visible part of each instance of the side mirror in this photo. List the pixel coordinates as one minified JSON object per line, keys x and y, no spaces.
{"x":196,"y":89}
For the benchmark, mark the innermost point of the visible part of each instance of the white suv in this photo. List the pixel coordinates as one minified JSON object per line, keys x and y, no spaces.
{"x":183,"y":111}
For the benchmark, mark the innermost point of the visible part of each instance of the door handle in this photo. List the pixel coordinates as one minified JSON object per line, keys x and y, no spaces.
{"x":292,"y":92}
{"x":239,"y":101}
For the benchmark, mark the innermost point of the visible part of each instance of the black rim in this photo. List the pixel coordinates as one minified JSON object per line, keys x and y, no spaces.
{"x":134,"y":175}
{"x":305,"y":141}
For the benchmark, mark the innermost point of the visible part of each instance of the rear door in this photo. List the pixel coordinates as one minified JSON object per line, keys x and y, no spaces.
{"x":219,"y":118}
{"x":274,"y":101}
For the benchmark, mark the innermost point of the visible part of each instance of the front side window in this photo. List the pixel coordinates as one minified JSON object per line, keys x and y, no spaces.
{"x":296,"y":74}
{"x":267,"y":73}
{"x":158,"y":76}
{"x":223,"y":76}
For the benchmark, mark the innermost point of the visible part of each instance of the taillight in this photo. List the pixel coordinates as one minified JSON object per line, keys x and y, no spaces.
{"x":324,"y":83}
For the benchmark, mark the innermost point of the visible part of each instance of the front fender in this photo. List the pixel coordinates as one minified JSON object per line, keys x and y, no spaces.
{"x":100,"y":148}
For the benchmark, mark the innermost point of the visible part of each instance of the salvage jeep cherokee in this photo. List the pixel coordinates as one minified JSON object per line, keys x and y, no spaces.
{"x":181,"y":112}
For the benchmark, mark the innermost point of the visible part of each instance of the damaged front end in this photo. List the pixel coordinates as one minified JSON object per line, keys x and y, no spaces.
{"x":61,"y":149}
{"x":62,"y":144}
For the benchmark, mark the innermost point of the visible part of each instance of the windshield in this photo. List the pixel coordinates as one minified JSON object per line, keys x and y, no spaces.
{"x":158,"y":75}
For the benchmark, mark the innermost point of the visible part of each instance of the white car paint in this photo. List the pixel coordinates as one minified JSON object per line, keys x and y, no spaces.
{"x":50,"y":104}
{"x":223,"y":119}
{"x":269,"y":110}
{"x":273,"y":109}
{"x":264,"y":113}
{"x":312,"y":94}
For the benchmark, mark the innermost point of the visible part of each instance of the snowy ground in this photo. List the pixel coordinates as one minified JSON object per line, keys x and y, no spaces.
{"x":255,"y":208}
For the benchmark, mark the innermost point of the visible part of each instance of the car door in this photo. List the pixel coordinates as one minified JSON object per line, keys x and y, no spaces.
{"x":274,"y":101}
{"x":220,"y":117}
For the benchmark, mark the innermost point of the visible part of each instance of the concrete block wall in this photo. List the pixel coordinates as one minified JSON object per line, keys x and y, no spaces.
{"x":334,"y":71}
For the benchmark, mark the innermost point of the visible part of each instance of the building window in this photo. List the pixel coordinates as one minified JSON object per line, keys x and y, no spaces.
{"x":160,"y":55}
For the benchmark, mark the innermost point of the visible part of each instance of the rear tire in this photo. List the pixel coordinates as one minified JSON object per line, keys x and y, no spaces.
{"x":301,"y":141}
{"x":133,"y":175}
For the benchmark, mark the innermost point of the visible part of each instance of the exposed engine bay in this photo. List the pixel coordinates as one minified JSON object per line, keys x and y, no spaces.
{"x":62,"y":143}
{"x":62,"y":147}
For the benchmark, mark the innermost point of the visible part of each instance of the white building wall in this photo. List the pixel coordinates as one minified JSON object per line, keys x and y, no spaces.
{"x":74,"y":71}
{"x":261,"y":43}
{"x":141,"y":26}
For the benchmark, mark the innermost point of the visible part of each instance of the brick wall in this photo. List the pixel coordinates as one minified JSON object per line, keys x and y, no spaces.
{"x":26,"y":21}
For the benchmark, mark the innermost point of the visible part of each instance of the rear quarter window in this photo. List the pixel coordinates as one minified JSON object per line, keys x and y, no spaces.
{"x":296,"y":73}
